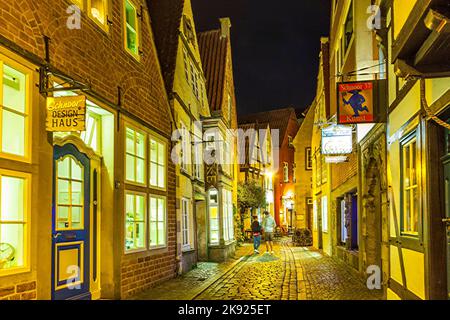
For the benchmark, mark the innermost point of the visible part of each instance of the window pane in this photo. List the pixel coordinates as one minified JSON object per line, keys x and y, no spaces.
{"x":213,"y":213}
{"x":153,"y":151}
{"x":153,"y":209}
{"x":130,"y":13}
{"x":140,"y":145}
{"x":140,"y":235}
{"x":153,"y":174}
{"x":12,"y":199}
{"x":161,"y":154}
{"x":77,"y":218}
{"x":14,"y":89}
{"x":13,"y":133}
{"x":132,"y":40}
{"x":214,"y":236}
{"x":153,"y":234}
{"x":140,"y":170}
{"x":140,"y":208}
{"x":161,"y":177}
{"x":63,"y":168}
{"x":130,"y":141}
{"x":407,"y":211}
{"x":129,"y":236}
{"x":161,"y":210}
{"x":63,"y":192}
{"x":62,"y":217}
{"x":12,"y":245}
{"x":77,"y":193}
{"x":415,"y":213}
{"x":76,"y":170}
{"x":161,"y":234}
{"x":130,"y":170}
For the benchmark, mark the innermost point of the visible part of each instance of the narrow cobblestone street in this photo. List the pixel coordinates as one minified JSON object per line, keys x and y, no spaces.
{"x":291,"y":273}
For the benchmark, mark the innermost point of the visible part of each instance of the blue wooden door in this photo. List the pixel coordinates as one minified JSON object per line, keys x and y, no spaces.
{"x":70,"y":224}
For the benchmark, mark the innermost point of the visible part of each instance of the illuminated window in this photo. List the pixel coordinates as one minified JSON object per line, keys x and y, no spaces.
{"x":228,"y":219}
{"x":131,"y":29}
{"x":186,"y":148}
{"x":213,"y":217}
{"x":185,"y":222}
{"x":286,"y":172}
{"x":98,"y":12}
{"x":186,"y":65}
{"x":324,"y":206}
{"x":198,"y":160}
{"x":157,"y":221}
{"x":135,"y":156}
{"x":348,"y":30}
{"x":157,"y":164}
{"x":14,"y":110}
{"x":13,"y":221}
{"x":410,"y":189}
{"x":135,"y":212}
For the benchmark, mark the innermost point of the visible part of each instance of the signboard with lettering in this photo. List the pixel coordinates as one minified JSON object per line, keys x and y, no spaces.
{"x":337,"y":140}
{"x":356,"y":102}
{"x":66,"y":113}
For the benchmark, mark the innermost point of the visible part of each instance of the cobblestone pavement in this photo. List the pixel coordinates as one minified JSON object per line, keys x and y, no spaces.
{"x":291,"y":273}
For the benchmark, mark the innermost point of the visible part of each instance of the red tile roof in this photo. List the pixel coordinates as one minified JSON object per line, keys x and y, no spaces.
{"x":213,"y":51}
{"x":166,"y":16}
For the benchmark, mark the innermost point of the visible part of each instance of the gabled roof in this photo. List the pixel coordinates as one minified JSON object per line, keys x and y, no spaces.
{"x":277,"y":119}
{"x":213,"y":52}
{"x":166,"y":17}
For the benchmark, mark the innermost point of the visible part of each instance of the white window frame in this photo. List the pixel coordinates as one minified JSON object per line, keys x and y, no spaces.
{"x":140,"y":194}
{"x":158,"y":165}
{"x":215,"y":205}
{"x":157,"y":246}
{"x":137,"y":30}
{"x":135,"y":156}
{"x":185,"y":223}
{"x":26,"y":222}
{"x":104,"y":26}
{"x":26,"y":114}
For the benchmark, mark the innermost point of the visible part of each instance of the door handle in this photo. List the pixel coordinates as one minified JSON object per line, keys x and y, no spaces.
{"x":56,"y":235}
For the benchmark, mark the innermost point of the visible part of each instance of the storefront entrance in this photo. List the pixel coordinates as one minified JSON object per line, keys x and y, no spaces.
{"x":71,"y":224}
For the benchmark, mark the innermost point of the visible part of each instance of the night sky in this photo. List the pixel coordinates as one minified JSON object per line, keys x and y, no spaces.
{"x":276,"y":47}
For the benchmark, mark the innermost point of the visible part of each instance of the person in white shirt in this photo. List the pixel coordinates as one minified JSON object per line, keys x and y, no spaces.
{"x":268,"y":225}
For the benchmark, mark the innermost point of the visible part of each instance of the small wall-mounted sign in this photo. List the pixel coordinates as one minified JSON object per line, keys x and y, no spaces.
{"x":355,"y":102}
{"x":337,"y":140}
{"x":66,"y":113}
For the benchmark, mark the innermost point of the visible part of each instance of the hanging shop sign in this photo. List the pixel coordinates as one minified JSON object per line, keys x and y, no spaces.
{"x":337,"y":140}
{"x":361,"y":102}
{"x":66,"y":113}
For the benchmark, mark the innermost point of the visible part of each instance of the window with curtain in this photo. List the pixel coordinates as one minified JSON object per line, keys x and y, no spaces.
{"x":135,"y":224}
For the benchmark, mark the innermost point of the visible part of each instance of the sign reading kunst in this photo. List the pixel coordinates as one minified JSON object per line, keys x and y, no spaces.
{"x":355,"y":102}
{"x":66,"y":113}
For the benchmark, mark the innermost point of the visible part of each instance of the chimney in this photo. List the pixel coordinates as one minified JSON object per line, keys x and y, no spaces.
{"x":225,"y":25}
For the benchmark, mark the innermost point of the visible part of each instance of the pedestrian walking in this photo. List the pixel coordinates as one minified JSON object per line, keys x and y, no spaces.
{"x":256,"y":231}
{"x":268,"y":225}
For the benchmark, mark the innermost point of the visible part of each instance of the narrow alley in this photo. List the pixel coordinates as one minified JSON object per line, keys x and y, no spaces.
{"x":291,"y":273}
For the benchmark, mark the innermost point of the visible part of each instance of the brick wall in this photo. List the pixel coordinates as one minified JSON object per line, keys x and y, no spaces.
{"x":20,"y":291}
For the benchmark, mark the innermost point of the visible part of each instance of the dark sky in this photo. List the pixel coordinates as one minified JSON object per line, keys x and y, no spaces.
{"x":275,"y":45}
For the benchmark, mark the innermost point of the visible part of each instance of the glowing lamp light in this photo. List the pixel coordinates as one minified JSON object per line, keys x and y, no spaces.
{"x":96,"y":14}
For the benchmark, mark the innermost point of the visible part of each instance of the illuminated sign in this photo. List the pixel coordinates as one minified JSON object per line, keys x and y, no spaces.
{"x":66,"y":113}
{"x":355,"y":102}
{"x":337,"y":140}
{"x":336,"y":159}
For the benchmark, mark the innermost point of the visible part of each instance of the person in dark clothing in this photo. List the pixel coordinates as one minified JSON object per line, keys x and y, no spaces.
{"x":256,"y":231}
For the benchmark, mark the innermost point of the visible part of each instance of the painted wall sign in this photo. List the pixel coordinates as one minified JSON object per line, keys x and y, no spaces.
{"x":66,"y":113}
{"x":337,"y":140}
{"x":355,"y":102}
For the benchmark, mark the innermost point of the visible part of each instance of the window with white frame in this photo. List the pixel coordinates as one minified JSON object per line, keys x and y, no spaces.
{"x":228,"y":219}
{"x":285,"y":172}
{"x":213,"y":198}
{"x":158,"y":217}
{"x":157,"y":164}
{"x":185,"y":147}
{"x":131,"y":28}
{"x":135,"y":224}
{"x":324,"y":206}
{"x":344,"y":231}
{"x":14,"y":108}
{"x":294,"y":174}
{"x":198,"y":159}
{"x":410,"y":186}
{"x":185,"y":209}
{"x":14,"y":227}
{"x":135,"y":156}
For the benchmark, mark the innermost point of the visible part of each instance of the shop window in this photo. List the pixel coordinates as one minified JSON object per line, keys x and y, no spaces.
{"x":91,"y":136}
{"x":185,"y":222}
{"x":69,"y":194}
{"x":14,"y":228}
{"x":324,"y":206}
{"x":410,"y":189}
{"x":344,"y":231}
{"x":14,"y":94}
{"x":135,"y":212}
{"x":158,"y":216}
{"x":213,"y":217}
{"x":98,"y":12}
{"x":157,"y":164}
{"x":131,"y":27}
{"x":135,"y":156}
{"x":228,"y":221}
{"x":286,"y":172}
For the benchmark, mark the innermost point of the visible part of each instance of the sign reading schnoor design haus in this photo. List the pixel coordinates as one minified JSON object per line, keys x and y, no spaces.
{"x":66,"y":113}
